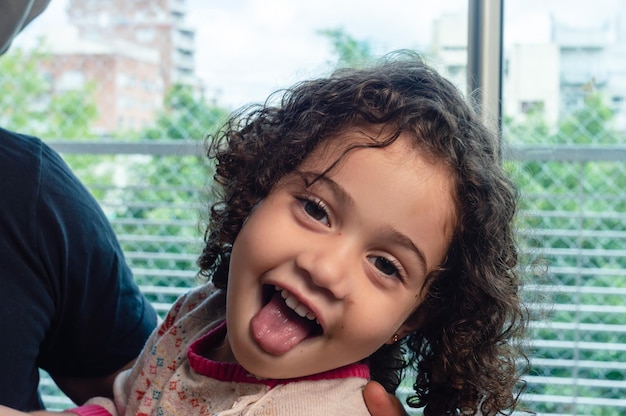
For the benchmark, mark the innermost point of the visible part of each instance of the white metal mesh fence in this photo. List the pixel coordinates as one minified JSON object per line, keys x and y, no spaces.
{"x":572,"y":220}
{"x":572,"y":225}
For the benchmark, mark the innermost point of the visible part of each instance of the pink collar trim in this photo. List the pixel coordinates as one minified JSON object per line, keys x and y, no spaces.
{"x":235,"y":372}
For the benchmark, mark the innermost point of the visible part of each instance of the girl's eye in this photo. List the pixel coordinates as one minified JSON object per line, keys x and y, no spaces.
{"x":386,"y":266}
{"x":316,"y":210}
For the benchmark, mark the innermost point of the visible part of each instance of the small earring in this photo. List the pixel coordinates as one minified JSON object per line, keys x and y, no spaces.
{"x":395,"y":338}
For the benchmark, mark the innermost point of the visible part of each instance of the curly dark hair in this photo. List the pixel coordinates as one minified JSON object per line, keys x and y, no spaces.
{"x":466,"y":353}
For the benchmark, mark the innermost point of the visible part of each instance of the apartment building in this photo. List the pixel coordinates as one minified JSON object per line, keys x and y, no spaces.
{"x":131,"y":51}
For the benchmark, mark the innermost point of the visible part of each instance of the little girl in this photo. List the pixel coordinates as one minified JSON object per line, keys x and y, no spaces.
{"x":363,"y":227}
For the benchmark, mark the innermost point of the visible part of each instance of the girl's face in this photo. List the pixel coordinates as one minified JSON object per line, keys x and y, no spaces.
{"x":322,"y":276}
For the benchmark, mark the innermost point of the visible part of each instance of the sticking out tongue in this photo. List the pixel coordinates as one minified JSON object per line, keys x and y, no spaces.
{"x":277,"y":328}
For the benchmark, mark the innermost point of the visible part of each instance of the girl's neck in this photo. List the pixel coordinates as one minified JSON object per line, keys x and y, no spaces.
{"x":211,"y":355}
{"x":221,"y":353}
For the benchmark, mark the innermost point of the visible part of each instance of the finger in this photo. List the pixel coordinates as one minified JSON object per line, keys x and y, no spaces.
{"x":381,"y":403}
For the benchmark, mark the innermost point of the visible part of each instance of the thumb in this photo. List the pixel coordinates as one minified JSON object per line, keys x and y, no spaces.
{"x":381,"y":403}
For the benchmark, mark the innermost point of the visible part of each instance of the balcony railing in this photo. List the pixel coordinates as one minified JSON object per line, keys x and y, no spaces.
{"x":572,"y":226}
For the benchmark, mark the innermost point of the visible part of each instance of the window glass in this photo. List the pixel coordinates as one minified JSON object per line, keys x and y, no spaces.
{"x":126,"y":71}
{"x":237,"y":52}
{"x":564,"y":77}
{"x":169,"y":71}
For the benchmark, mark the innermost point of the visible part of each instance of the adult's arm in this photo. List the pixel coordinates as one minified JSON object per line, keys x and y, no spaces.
{"x":69,"y":299}
{"x":103,"y":320}
{"x":14,"y":16}
{"x":81,"y":389}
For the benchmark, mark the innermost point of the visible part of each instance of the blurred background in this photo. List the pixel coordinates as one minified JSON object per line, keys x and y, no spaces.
{"x":126,"y":90}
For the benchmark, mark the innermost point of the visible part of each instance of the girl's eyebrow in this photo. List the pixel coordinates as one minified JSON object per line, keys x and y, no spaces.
{"x":403,"y":240}
{"x":389,"y":232}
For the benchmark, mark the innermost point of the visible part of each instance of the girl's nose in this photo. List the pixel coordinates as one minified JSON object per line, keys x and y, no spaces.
{"x":328,"y":264}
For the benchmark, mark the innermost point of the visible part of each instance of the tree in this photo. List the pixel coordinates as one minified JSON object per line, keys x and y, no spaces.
{"x":28,"y":104}
{"x":165,"y":195}
{"x":185,"y":116}
{"x":349,"y":51}
{"x":533,"y":129}
{"x":591,"y":124}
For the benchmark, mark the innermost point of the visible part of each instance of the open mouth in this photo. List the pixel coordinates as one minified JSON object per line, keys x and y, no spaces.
{"x":283,"y":322}
{"x":292,"y":302}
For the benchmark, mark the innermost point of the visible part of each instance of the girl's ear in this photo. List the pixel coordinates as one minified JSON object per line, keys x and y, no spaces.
{"x":395,"y":338}
{"x":406,"y":330}
{"x":412,"y":324}
{"x":402,"y":332}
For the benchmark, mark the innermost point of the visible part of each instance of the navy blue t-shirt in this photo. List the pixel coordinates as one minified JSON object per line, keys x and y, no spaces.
{"x":68,"y":303}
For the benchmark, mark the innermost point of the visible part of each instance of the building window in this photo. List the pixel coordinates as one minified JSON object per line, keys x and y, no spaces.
{"x":71,"y":80}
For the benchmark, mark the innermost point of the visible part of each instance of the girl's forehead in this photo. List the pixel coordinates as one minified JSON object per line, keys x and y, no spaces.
{"x":333,"y":154}
{"x":331,"y":151}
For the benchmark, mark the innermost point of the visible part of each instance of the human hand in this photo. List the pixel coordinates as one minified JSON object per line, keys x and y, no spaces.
{"x":381,"y":403}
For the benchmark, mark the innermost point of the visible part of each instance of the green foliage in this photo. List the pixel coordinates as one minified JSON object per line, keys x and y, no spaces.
{"x":74,"y":112}
{"x":22,"y":86}
{"x":590,"y":124}
{"x":573,"y":217}
{"x":532,"y":130}
{"x":349,"y":51}
{"x":185,"y":116}
{"x":28,"y":105}
{"x":164,"y":199}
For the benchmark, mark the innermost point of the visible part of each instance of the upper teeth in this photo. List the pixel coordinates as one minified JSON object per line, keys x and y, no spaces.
{"x":294,"y":303}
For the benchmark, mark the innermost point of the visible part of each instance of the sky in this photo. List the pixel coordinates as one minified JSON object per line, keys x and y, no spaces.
{"x":245,"y":49}
{"x":267,"y":44}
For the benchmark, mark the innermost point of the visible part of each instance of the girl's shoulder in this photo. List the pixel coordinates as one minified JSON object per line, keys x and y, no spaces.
{"x":205,"y":300}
